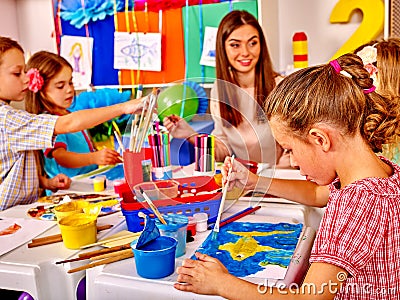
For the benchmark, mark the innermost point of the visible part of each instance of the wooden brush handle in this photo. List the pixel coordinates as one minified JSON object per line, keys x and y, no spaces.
{"x":51,"y":239}
{"x":102,"y":262}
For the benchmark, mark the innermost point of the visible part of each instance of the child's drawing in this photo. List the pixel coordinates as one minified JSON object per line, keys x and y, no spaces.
{"x":137,"y":51}
{"x":78,"y":51}
{"x":208,"y":53}
{"x":262,"y":250}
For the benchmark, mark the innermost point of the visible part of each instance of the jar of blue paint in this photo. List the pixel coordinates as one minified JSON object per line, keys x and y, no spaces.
{"x":176,"y":228}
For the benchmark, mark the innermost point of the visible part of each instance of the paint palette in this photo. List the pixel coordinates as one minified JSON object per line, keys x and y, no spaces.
{"x":46,"y":212}
{"x":57,"y":198}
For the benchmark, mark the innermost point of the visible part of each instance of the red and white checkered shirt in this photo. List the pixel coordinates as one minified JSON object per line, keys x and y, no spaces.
{"x":20,"y":133}
{"x":360,"y":232}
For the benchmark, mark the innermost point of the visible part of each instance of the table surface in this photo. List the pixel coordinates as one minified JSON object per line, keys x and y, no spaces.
{"x":34,"y":270}
{"x":121,"y":280}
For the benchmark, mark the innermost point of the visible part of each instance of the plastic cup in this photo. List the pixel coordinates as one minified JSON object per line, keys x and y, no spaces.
{"x":176,"y":228}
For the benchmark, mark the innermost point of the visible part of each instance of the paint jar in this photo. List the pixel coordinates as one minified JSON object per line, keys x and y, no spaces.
{"x":192,"y":226}
{"x":70,"y":208}
{"x":155,"y":259}
{"x":176,"y":228}
{"x":78,"y":230}
{"x":161,"y":173}
{"x":218,"y":177}
{"x":201,"y":219}
{"x":99,"y":183}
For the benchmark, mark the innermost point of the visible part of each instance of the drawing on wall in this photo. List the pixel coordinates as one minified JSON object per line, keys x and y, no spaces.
{"x":261,"y":250}
{"x":208,"y":53}
{"x":137,"y":51}
{"x":78,"y":51}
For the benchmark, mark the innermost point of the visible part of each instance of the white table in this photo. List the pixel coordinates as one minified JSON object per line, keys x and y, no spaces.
{"x":33,"y":270}
{"x":121,"y":281}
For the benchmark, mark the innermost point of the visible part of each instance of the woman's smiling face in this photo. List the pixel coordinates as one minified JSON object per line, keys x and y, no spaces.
{"x":243,"y":48}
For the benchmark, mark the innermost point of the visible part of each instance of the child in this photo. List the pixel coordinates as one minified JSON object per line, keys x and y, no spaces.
{"x":73,"y":153}
{"x":331,"y":121}
{"x":382,"y":60}
{"x":22,"y":132}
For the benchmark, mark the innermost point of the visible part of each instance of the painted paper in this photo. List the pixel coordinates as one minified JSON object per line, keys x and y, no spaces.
{"x":78,"y":51}
{"x":137,"y":51}
{"x":208,"y":54}
{"x":28,"y":229}
{"x":261,"y":250}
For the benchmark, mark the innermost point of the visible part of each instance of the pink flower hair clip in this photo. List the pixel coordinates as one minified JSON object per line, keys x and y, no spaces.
{"x":35,"y":80}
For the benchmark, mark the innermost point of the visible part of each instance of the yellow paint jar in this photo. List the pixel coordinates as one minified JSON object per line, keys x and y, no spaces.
{"x":78,"y":230}
{"x":70,"y":208}
{"x":99,"y":183}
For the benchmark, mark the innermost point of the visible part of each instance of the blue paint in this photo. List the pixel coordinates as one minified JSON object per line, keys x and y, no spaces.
{"x":283,"y":243}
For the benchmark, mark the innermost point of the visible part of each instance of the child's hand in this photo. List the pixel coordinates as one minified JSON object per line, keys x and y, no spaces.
{"x":58,"y":182}
{"x":178,"y":127}
{"x":240,"y":176}
{"x":203,"y":276}
{"x":106,"y":157}
{"x":134,"y":106}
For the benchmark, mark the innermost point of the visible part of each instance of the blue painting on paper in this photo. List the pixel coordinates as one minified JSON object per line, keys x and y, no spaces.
{"x":247,"y":248}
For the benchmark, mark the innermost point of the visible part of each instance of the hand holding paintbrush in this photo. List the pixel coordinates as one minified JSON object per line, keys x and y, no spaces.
{"x":224,"y":191}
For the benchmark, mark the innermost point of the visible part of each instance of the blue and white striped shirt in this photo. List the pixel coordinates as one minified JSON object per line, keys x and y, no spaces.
{"x":20,"y":134}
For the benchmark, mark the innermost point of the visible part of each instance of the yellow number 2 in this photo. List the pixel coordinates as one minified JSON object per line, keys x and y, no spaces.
{"x":371,"y":25}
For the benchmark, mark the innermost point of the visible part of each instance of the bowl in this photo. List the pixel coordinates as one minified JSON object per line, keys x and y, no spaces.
{"x":155,"y":259}
{"x":163,"y":189}
{"x":69,"y":208}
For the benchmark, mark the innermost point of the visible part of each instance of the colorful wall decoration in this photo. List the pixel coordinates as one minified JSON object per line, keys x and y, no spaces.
{"x":181,"y":24}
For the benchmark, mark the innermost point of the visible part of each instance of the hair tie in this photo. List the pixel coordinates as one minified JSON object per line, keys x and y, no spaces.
{"x":370,"y":90}
{"x":334,"y":63}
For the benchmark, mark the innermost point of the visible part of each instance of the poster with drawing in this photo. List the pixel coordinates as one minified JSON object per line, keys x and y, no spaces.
{"x":137,"y":51}
{"x":258,"y":250}
{"x":78,"y":51}
{"x":208,"y":53}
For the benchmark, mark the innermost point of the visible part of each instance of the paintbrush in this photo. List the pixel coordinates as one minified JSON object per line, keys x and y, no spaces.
{"x":221,"y":206}
{"x":103,"y":262}
{"x":120,"y":144}
{"x":108,"y":240}
{"x":236,"y":216}
{"x":90,"y":254}
{"x":51,"y":239}
{"x":152,"y":206}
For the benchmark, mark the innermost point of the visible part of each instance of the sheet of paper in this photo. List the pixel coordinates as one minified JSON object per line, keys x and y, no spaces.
{"x":261,"y":250}
{"x":137,"y":51}
{"x":208,"y":53}
{"x":78,"y":51}
{"x":28,"y":230}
